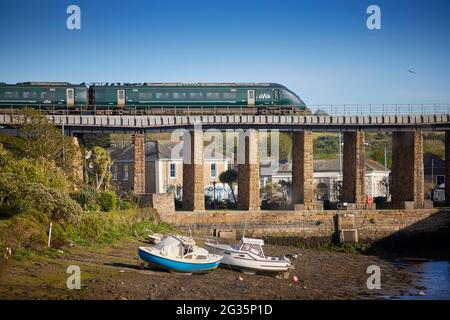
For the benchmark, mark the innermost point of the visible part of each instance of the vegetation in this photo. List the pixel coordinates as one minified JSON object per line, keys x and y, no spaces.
{"x":229,"y":177}
{"x":40,"y":184}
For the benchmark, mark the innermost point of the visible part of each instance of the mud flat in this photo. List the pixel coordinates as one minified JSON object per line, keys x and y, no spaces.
{"x":112,"y":272}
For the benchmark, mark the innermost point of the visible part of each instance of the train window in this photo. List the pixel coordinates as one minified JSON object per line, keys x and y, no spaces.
{"x":70,"y":94}
{"x":29,"y":95}
{"x":179,"y":95}
{"x":121,"y":93}
{"x":229,"y":95}
{"x":196,"y":95}
{"x":11,"y":95}
{"x":48,"y":95}
{"x":162,"y":95}
{"x":212,"y":95}
{"x":145,"y":95}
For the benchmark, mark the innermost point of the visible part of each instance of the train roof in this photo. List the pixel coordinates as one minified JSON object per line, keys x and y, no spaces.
{"x":199,"y":84}
{"x":44,"y":84}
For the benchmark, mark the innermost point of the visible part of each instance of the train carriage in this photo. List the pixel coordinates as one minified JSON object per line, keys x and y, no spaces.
{"x":194,"y":96}
{"x":57,"y":95}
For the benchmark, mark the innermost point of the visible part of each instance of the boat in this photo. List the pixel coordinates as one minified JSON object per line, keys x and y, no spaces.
{"x":179,"y":255}
{"x":248,"y":257}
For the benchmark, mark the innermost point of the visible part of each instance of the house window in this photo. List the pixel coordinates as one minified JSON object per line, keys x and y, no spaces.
{"x":114,"y":172}
{"x":440,"y":180}
{"x":213,"y":170}
{"x":173,"y":170}
{"x":125,"y":172}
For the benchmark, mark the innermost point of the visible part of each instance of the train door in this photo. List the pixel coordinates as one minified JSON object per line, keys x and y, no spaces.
{"x":70,"y":98}
{"x":251,"y":98}
{"x":120,"y":98}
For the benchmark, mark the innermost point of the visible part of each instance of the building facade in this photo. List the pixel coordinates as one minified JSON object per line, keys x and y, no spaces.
{"x":164,"y":169}
{"x":327,"y":178}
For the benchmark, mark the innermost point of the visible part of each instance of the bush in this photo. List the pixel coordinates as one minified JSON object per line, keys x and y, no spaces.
{"x":124,"y":204}
{"x":107,"y":200}
{"x":59,"y":207}
{"x":26,"y":232}
{"x":86,"y":198}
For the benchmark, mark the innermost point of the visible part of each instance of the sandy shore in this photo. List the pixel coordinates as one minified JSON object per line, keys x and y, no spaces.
{"x":112,"y":272}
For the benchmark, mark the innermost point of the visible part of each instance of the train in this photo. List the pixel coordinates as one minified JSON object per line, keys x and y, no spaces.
{"x":259,"y":98}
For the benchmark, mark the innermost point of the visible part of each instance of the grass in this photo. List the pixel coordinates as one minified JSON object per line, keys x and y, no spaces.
{"x":94,"y":230}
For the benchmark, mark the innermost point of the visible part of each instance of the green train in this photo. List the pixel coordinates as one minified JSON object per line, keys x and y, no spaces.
{"x":165,"y":97}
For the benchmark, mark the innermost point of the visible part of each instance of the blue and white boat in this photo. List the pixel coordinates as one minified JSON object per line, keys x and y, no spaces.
{"x":180,"y":255}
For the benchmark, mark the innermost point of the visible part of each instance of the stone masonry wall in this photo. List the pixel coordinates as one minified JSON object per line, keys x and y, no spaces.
{"x":248,"y":181}
{"x":407,"y":169}
{"x":354,"y":184}
{"x":193,"y":171}
{"x":302,"y":169}
{"x":164,"y":204}
{"x":139,"y":164}
{"x":371,"y":224}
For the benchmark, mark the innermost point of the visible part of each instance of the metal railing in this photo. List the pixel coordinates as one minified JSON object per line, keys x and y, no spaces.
{"x":379,"y":109}
{"x":323,"y":109}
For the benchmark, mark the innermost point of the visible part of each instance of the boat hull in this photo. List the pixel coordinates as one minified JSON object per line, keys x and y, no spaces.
{"x":247,"y":262}
{"x":177,"y":265}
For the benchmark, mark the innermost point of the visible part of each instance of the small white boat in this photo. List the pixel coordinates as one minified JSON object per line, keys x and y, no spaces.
{"x":180,"y":255}
{"x":248,"y":256}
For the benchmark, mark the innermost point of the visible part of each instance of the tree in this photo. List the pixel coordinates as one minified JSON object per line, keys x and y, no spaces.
{"x":229,"y":177}
{"x":39,"y":139}
{"x":99,"y":165}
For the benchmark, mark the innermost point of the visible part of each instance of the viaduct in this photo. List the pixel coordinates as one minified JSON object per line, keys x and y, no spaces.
{"x":407,"y":188}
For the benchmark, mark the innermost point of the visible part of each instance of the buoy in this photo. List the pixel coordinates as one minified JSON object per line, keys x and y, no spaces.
{"x":421,"y":293}
{"x":294,"y":279}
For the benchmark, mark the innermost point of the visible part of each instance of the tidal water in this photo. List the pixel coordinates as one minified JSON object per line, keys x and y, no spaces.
{"x":432,"y":283}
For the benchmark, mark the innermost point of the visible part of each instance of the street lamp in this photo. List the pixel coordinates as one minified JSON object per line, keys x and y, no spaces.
{"x":214,"y":192}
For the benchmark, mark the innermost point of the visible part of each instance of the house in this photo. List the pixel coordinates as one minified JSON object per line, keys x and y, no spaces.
{"x":164,"y":169}
{"x":327,"y":177}
{"x":434,"y":170}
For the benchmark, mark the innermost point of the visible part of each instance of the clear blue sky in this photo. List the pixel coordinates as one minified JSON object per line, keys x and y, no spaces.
{"x":322,"y":50}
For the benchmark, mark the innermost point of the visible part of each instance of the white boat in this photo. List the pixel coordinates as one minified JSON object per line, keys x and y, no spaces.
{"x":248,"y":256}
{"x":180,"y":255}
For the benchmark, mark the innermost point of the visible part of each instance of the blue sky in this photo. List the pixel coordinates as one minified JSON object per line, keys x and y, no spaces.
{"x":322,"y":50}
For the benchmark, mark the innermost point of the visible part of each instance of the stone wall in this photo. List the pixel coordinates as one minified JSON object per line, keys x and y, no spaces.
{"x":248,"y":181}
{"x":164,"y":204}
{"x":302,"y":170}
{"x":354,"y":183}
{"x":139,"y":164}
{"x":407,"y":169}
{"x":193,"y":171}
{"x":371,"y":225}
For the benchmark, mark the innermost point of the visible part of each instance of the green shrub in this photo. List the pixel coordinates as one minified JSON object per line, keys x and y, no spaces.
{"x":26,"y":232}
{"x":57,"y":205}
{"x":107,"y":200}
{"x":86,"y":198}
{"x":124,"y":204}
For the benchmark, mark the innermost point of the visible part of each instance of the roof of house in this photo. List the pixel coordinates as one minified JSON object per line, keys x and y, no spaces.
{"x":158,"y":150}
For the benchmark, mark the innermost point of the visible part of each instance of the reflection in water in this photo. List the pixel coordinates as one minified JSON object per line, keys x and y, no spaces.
{"x":433,"y":280}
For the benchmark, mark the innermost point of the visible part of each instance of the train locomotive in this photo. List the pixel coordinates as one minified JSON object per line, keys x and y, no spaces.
{"x":148,"y":98}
